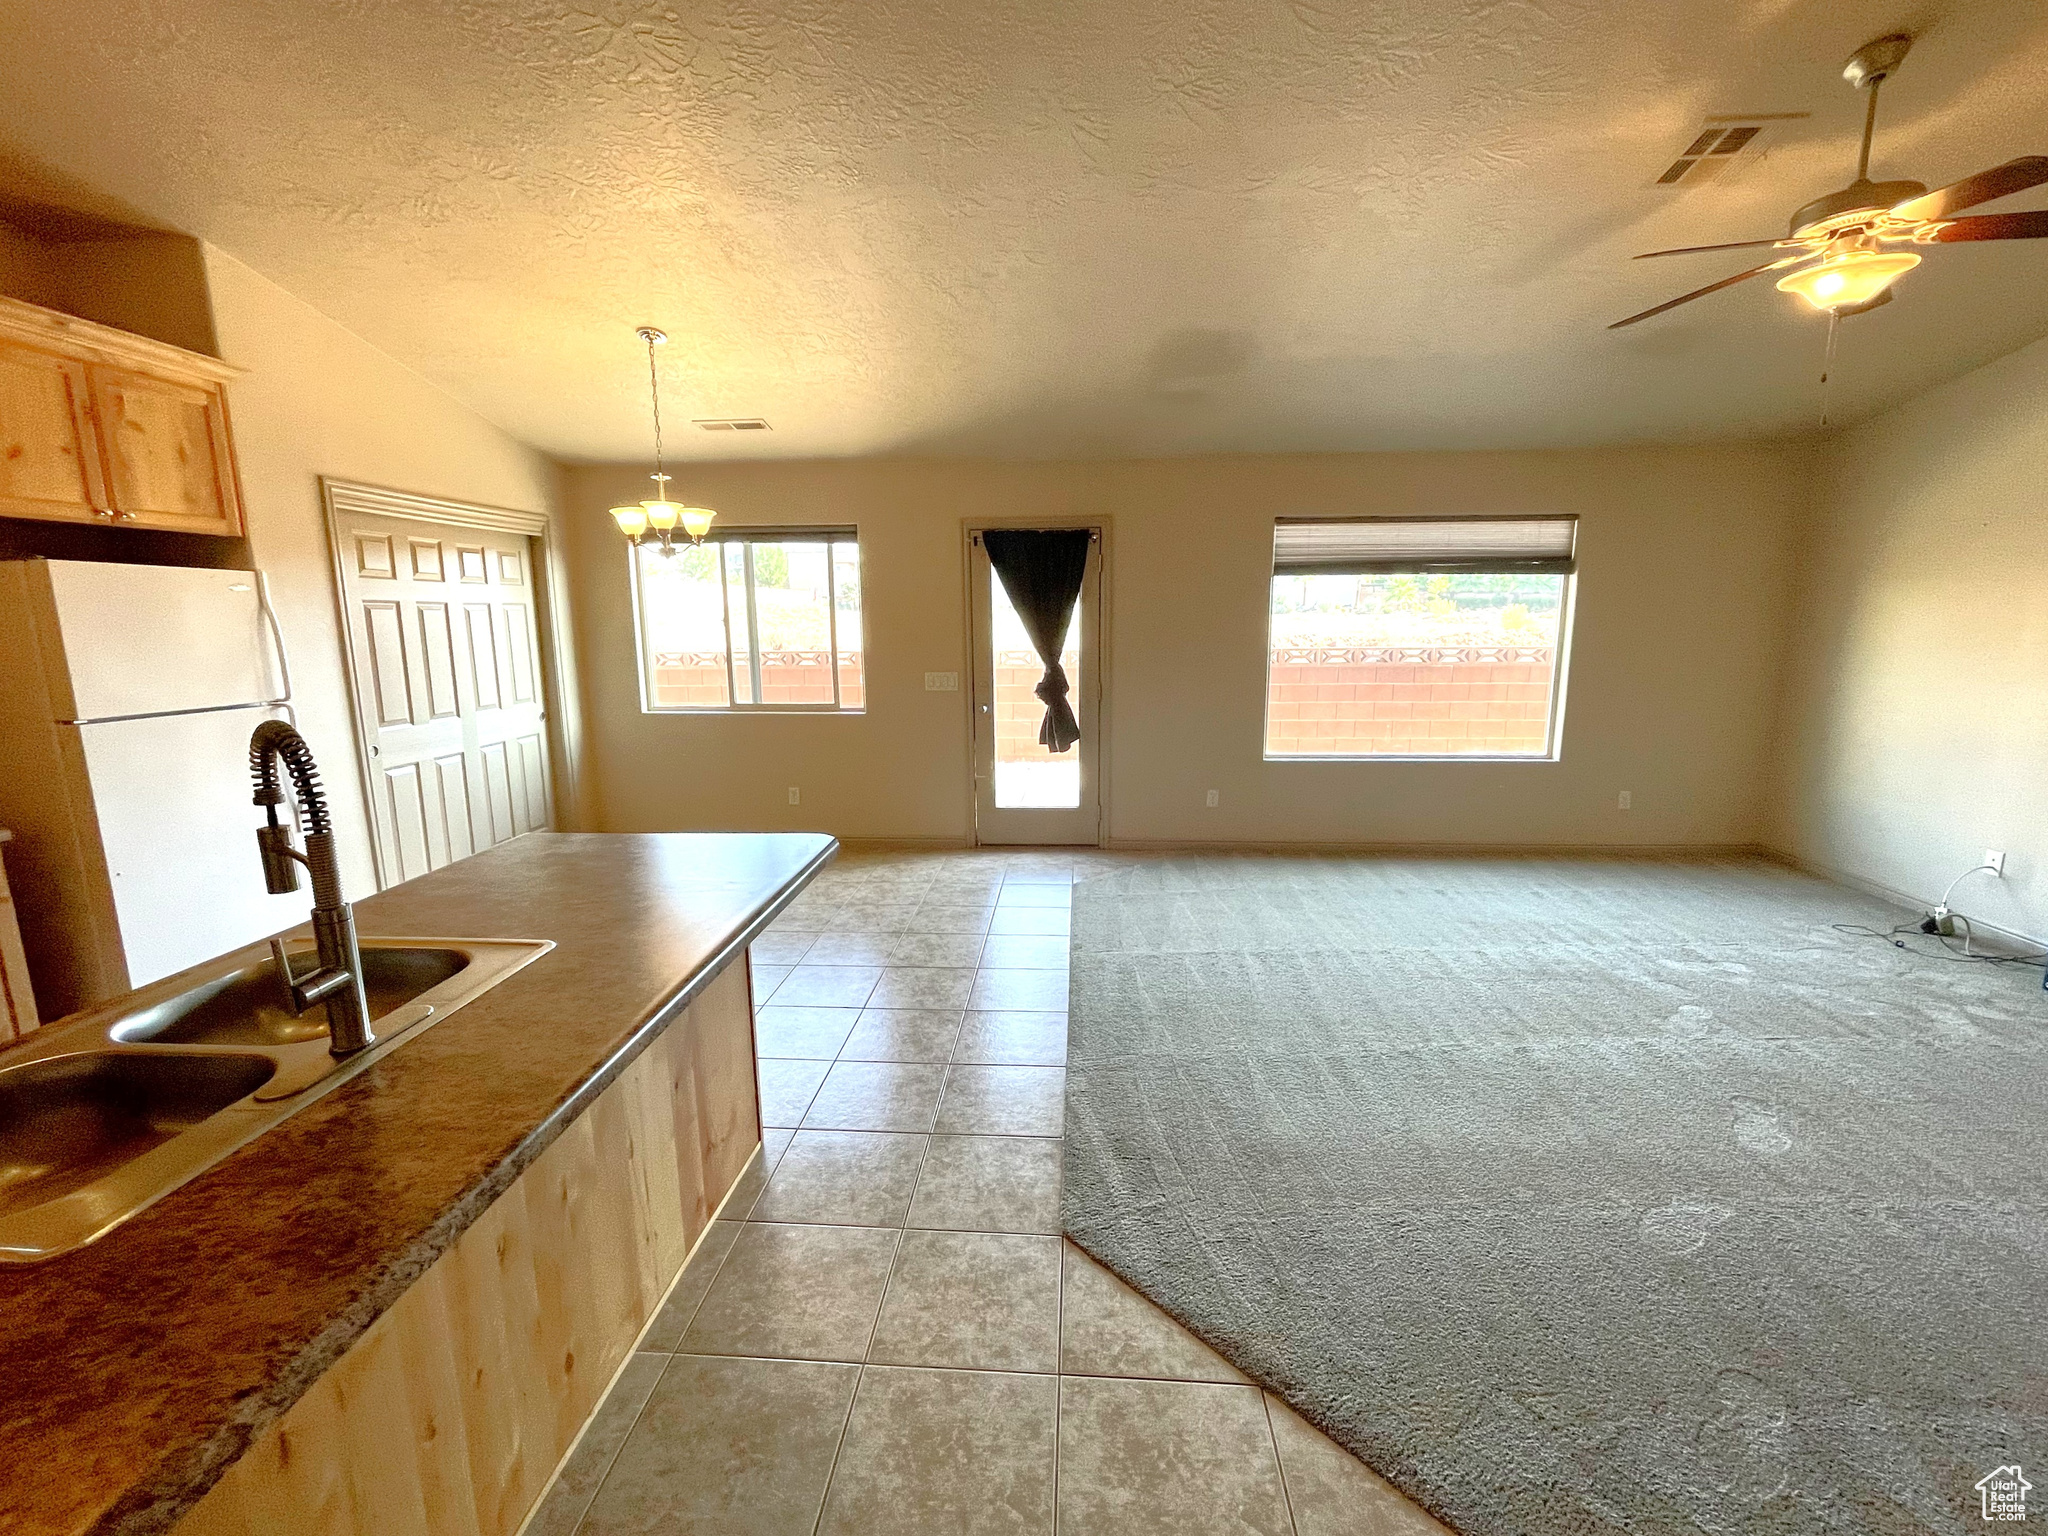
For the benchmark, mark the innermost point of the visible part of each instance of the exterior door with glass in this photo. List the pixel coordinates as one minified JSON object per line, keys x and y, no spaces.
{"x":1025,"y":793}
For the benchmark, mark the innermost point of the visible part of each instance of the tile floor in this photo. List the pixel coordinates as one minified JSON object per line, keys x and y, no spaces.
{"x":886,"y":1333}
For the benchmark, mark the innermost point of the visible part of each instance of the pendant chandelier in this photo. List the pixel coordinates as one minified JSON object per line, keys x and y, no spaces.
{"x":658,"y":515}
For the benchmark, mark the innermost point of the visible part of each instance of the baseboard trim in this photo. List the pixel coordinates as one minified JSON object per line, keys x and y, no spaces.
{"x":1475,"y":850}
{"x":854,"y":844}
{"x":900,"y":844}
{"x":1319,"y":845}
{"x":1906,"y":901}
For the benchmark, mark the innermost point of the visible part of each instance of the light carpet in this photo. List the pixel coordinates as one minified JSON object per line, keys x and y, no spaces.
{"x":1583,"y":1195}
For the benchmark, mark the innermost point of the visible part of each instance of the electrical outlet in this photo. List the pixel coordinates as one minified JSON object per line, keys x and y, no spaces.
{"x":942,"y":682}
{"x":1212,"y":800}
{"x":796,"y":796}
{"x":1995,"y":861}
{"x":1621,"y":802}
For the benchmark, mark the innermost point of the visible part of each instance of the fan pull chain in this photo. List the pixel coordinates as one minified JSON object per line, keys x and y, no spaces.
{"x":1827,"y":369}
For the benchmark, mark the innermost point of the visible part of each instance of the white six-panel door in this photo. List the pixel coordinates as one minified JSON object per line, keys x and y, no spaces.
{"x":445,"y":648}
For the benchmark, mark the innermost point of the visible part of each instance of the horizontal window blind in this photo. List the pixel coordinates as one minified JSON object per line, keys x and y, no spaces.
{"x":1481,"y":546}
{"x":779,"y":535}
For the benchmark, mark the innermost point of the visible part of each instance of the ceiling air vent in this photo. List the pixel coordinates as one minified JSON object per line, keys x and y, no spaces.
{"x":734,"y":424}
{"x":1719,"y":143}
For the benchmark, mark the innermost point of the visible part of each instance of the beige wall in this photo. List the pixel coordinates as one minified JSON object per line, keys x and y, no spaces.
{"x":318,"y":400}
{"x":1681,"y":610}
{"x":1915,"y":729}
{"x":25,"y":267}
{"x":148,"y":281}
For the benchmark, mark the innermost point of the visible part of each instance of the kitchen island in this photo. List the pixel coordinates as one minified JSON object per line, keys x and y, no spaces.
{"x":395,"y":1309}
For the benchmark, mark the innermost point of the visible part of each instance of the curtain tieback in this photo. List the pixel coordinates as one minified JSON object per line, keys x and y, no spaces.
{"x":1052,"y":686}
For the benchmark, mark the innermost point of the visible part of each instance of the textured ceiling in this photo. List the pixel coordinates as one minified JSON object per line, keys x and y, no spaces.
{"x":1155,"y":226}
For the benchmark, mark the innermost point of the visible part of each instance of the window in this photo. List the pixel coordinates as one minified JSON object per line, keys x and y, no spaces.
{"x":751,"y":619}
{"x":1408,"y":637}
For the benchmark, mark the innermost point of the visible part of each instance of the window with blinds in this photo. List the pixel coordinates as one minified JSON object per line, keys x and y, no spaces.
{"x":763,"y":619}
{"x":1419,"y":637}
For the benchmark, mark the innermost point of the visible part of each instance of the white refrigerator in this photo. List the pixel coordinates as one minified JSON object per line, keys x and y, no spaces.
{"x":127,"y":696}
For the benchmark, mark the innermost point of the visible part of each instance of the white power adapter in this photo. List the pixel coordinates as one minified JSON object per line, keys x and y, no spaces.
{"x":1941,"y":919}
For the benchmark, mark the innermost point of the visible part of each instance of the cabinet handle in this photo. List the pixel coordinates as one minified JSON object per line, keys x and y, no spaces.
{"x":125,"y":517}
{"x":106,"y":512}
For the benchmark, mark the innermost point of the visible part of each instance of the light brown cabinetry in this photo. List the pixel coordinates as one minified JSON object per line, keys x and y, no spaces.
{"x":49,"y":457}
{"x":17,"y":1002}
{"x":450,"y":1414}
{"x":102,"y":426}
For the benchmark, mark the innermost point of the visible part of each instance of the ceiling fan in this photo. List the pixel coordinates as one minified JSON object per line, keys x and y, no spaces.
{"x":1838,"y":243}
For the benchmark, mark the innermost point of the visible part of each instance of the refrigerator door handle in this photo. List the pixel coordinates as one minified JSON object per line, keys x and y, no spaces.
{"x":284,"y":660}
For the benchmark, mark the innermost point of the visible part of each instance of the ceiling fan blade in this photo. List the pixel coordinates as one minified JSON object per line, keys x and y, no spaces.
{"x":1701,"y":293}
{"x":1694,"y":250}
{"x":1999,"y":181}
{"x":1994,"y":226}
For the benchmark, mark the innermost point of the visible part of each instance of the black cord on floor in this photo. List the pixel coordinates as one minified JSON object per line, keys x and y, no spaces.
{"x":1896,"y":938}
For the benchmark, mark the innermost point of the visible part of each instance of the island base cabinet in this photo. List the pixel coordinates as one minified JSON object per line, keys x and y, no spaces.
{"x":451,"y":1412}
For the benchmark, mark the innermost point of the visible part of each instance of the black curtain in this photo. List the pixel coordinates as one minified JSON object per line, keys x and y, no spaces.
{"x":1041,"y":570}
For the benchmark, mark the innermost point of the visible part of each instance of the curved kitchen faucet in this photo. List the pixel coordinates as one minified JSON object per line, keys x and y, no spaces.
{"x":338,"y":981}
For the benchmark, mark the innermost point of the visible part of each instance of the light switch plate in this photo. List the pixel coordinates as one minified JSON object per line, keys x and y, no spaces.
{"x":942,"y":682}
{"x":1623,"y":800}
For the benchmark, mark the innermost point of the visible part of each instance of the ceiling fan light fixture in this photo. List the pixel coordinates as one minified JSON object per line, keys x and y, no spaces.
{"x":1838,"y":259}
{"x":1851,"y":278}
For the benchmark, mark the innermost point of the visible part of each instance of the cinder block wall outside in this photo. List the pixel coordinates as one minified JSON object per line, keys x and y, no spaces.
{"x":1408,"y":707}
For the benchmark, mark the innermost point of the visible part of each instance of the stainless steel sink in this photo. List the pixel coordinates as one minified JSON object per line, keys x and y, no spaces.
{"x":248,"y":1006}
{"x":71,"y":1120}
{"x":109,"y":1110}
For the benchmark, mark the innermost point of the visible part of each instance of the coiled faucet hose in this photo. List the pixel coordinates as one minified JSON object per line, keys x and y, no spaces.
{"x":274,"y":741}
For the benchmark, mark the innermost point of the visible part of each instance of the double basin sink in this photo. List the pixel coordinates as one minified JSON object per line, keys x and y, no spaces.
{"x":113,"y":1108}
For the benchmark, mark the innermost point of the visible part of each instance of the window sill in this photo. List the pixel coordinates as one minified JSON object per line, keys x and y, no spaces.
{"x":812,"y":710}
{"x":1395,"y":757}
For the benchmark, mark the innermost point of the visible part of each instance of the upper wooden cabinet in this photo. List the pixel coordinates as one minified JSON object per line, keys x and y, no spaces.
{"x":102,"y":426}
{"x":49,"y":457}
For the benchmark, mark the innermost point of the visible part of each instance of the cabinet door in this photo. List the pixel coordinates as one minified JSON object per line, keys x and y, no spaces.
{"x":49,"y":464}
{"x":168,"y":460}
{"x":17,"y":1001}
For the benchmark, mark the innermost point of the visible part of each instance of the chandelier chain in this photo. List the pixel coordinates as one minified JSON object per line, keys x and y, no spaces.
{"x":657,"y":515}
{"x":654,"y":394}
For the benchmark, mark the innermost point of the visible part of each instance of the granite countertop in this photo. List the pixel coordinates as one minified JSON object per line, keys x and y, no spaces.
{"x":135,"y":1369}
